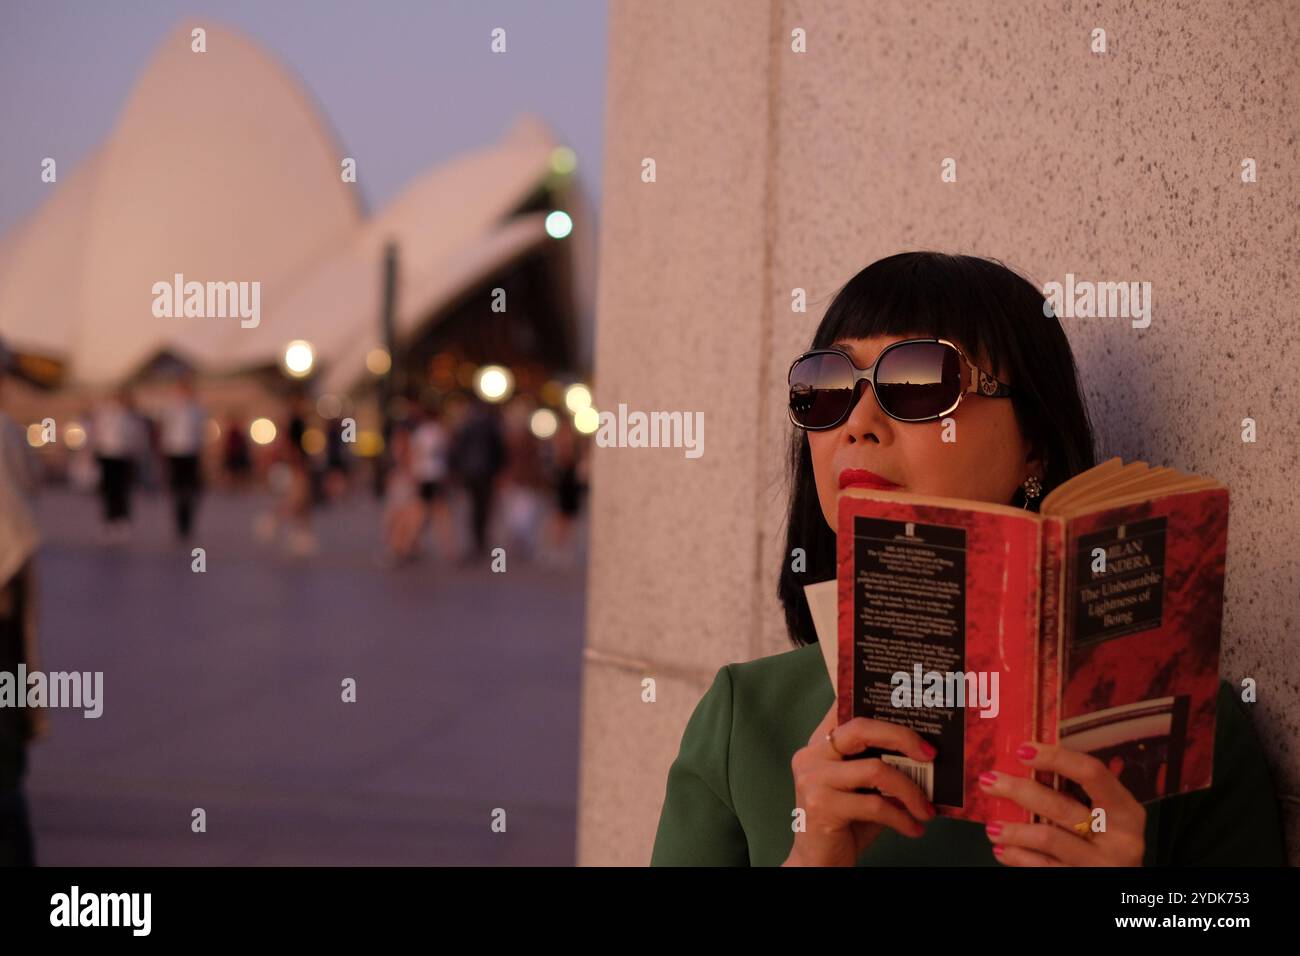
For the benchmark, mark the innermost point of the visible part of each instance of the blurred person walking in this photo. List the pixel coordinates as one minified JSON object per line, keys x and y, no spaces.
{"x":338,"y":461}
{"x":236,"y":461}
{"x":147,"y":466}
{"x":181,"y":440}
{"x":119,"y":439}
{"x":300,"y":490}
{"x":430,"y":454}
{"x":291,"y":481}
{"x":569,"y":481}
{"x":403,"y":509}
{"x":83,"y":467}
{"x":523,"y":483}
{"x":477,"y":457}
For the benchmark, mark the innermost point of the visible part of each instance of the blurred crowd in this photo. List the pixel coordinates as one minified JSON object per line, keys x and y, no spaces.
{"x":458,"y":476}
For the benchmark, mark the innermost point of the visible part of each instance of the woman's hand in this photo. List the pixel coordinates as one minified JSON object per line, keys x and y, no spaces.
{"x":1122,"y":843}
{"x":840,"y":823}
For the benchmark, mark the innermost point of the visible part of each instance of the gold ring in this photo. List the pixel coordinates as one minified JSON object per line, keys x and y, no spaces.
{"x":1083,"y":828}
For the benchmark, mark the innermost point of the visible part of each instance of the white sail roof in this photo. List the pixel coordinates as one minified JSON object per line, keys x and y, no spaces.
{"x":449,"y":215}
{"x":220,"y":169}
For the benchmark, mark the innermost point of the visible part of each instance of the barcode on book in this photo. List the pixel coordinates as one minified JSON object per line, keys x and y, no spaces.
{"x":922,"y":774}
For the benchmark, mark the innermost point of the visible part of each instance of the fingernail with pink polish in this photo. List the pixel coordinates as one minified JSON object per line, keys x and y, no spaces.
{"x":1026,"y":752}
{"x":988,"y":779}
{"x":993,"y":829}
{"x":997,"y":850}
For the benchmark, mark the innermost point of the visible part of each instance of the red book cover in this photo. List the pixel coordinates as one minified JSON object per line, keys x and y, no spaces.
{"x":939,"y":603}
{"x":1140,"y":657}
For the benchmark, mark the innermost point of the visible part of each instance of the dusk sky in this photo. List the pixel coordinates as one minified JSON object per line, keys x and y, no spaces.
{"x":68,"y":66}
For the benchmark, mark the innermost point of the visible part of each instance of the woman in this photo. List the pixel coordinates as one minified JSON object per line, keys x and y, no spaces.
{"x":763,"y":741}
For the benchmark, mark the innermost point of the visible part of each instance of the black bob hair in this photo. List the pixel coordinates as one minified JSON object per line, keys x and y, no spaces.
{"x":997,"y":317}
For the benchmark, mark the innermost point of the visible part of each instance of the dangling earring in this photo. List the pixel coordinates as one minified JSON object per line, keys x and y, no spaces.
{"x":1032,"y":488}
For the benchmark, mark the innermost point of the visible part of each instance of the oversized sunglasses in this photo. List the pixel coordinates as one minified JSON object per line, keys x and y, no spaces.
{"x":916,"y":380}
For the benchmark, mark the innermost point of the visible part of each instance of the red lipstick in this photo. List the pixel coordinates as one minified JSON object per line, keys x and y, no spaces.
{"x":861,"y":478}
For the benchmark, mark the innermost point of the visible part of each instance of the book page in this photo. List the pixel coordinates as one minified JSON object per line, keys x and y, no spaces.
{"x":821,"y":605}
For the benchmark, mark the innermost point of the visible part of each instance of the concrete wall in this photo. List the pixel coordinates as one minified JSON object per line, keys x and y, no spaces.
{"x":778,"y":170}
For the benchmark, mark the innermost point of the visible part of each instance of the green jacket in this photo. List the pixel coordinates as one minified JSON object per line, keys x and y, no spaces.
{"x":730,"y":794}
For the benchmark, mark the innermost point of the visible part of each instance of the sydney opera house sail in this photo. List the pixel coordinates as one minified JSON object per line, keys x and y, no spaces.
{"x":221,"y":169}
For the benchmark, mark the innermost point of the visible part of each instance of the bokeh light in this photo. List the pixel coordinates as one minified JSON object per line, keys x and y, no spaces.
{"x":563,"y":160}
{"x":494,"y":383}
{"x":558,"y":224}
{"x":577,"y":397}
{"x":313,"y":441}
{"x":299,"y":357}
{"x":378,"y":361}
{"x":262,"y":431}
{"x":368,"y":444}
{"x":586,"y":420}
{"x":543,"y":423}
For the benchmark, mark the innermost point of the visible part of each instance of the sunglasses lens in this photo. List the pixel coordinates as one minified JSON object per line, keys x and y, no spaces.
{"x":918,"y":380}
{"x":821,"y":389}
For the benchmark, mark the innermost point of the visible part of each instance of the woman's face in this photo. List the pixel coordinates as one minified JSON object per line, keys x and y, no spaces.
{"x":986,"y":459}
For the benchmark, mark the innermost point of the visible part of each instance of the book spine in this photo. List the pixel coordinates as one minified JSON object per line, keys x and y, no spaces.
{"x":1051,"y":634}
{"x":846,"y":692}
